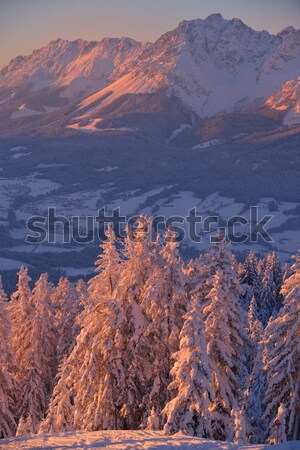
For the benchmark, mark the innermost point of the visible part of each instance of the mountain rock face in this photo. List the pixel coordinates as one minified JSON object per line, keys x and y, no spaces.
{"x":203,"y":68}
{"x":287,"y":99}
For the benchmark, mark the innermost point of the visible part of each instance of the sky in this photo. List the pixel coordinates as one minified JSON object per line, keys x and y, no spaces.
{"x":26,"y":25}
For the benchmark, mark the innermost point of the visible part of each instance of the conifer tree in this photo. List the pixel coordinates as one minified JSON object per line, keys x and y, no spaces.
{"x":277,"y":434}
{"x":238,"y":426}
{"x":83,"y":374}
{"x":66,"y":302}
{"x":255,"y":327}
{"x":7,"y":365}
{"x":267,"y":298}
{"x":35,"y":349}
{"x":193,"y":380}
{"x":249,"y":278}
{"x":164,"y":303}
{"x":60,"y":415}
{"x":223,"y":318}
{"x":282,"y":354}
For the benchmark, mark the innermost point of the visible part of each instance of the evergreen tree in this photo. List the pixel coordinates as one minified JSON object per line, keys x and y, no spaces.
{"x":255,"y":328}
{"x":238,"y":426}
{"x":60,"y":415}
{"x":78,"y":394}
{"x":25,"y":426}
{"x":7,"y":382}
{"x":127,"y":361}
{"x":277,"y":434}
{"x":164,"y":303}
{"x":274,"y":264}
{"x":254,"y":398}
{"x":223,"y":318}
{"x":282,"y":354}
{"x":193,"y":380}
{"x":249,"y":279}
{"x":35,"y":349}
{"x":267,"y":300}
{"x":66,"y":302}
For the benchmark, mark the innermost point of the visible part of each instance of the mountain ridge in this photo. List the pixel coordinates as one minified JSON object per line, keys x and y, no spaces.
{"x":212,"y":66}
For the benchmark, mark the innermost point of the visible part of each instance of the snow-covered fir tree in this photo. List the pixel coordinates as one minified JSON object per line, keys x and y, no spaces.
{"x":7,"y":366}
{"x":193,"y":380}
{"x":274,"y":264}
{"x":249,"y":279}
{"x":277,"y":433}
{"x":67,"y":305}
{"x":127,"y":359}
{"x":254,"y":397}
{"x":238,"y":426}
{"x":35,"y":350}
{"x":164,"y":302}
{"x":267,"y":303}
{"x":223,"y":318}
{"x":81,"y":378}
{"x":60,"y":415}
{"x":255,"y":327}
{"x":282,"y":355}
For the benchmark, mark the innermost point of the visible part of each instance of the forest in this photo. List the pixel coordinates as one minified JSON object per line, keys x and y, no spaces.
{"x":210,"y":347}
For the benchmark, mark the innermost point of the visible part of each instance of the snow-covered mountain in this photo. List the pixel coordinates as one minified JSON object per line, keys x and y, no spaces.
{"x":202,"y":68}
{"x":63,"y":72}
{"x":287,"y":99}
{"x":212,"y":65}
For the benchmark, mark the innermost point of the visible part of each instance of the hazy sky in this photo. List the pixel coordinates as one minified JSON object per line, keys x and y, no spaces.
{"x":29,"y":24}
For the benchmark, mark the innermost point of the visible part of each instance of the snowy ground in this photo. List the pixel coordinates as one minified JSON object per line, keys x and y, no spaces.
{"x":128,"y":440}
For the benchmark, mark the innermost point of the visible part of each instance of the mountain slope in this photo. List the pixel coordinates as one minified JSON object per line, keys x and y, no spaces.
{"x":287,"y":100}
{"x":213,"y":65}
{"x":71,"y":69}
{"x":208,"y":67}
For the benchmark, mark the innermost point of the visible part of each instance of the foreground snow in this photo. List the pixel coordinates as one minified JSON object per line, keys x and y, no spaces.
{"x":129,"y":440}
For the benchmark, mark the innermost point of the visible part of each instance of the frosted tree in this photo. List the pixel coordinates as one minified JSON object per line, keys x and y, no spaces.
{"x":66,"y":302}
{"x":254,"y":398}
{"x":199,"y":277}
{"x":267,"y":299}
{"x":35,"y":350}
{"x":60,"y":415}
{"x":20,"y":308}
{"x":164,"y":303}
{"x":193,"y":380}
{"x":274,"y":264}
{"x":25,"y":426}
{"x":20,"y":305}
{"x":127,"y":366}
{"x":238,"y":426}
{"x":175,"y":285}
{"x":277,"y":433}
{"x":7,"y":382}
{"x":33,"y":402}
{"x":225,"y":339}
{"x":282,"y":355}
{"x":155,"y":341}
{"x":248,"y":274}
{"x":249,"y":278}
{"x":153,"y":421}
{"x":107,"y":266}
{"x":83,"y":298}
{"x":255,"y":327}
{"x":79,"y":391}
